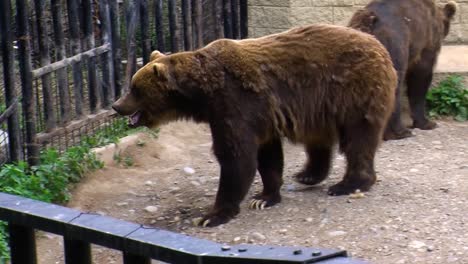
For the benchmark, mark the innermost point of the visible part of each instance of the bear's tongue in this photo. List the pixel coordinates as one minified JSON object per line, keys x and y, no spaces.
{"x":134,"y":118}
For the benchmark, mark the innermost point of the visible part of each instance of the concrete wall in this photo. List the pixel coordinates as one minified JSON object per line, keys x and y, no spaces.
{"x":271,"y":16}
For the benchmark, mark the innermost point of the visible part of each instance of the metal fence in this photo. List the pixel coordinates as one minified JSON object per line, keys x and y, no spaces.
{"x":138,"y":244}
{"x":65,"y":61}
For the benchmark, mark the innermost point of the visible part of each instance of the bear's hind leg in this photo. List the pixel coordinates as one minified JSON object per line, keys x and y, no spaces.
{"x":419,"y":80}
{"x":318,"y":164}
{"x":359,"y":144}
{"x":270,"y":167}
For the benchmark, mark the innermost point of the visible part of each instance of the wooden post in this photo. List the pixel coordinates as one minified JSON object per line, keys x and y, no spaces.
{"x":244,"y":19}
{"x":227,"y":15}
{"x":116,"y":46}
{"x":131,"y":14}
{"x":235,"y":19}
{"x":42,"y":34}
{"x":144,"y":29}
{"x":197,"y":23}
{"x":173,"y":28}
{"x":218,"y":18}
{"x":28,"y":102}
{"x":93,"y":91}
{"x":158,"y":6}
{"x":108,"y":84}
{"x":62,"y":78}
{"x":8,"y":59}
{"x":75,"y":43}
{"x":187,"y":21}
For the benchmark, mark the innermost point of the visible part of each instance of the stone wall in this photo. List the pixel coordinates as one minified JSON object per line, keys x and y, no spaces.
{"x":271,"y":16}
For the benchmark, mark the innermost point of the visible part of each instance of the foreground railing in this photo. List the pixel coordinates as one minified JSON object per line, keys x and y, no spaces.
{"x":139,"y":244}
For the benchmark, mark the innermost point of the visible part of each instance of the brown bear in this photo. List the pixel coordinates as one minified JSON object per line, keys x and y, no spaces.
{"x":315,"y":85}
{"x":412,"y":31}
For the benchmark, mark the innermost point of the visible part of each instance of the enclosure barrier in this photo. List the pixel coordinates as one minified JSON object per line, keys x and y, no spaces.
{"x":139,"y":244}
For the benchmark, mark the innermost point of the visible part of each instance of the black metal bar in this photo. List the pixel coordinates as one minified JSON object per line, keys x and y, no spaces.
{"x":187,"y":22}
{"x":227,"y":19}
{"x":8,"y":60}
{"x":116,"y":46}
{"x":130,"y":258}
{"x":140,"y":243}
{"x":173,"y":27}
{"x":75,"y":43}
{"x":235,"y":19}
{"x":22,"y":244}
{"x":108,"y":83}
{"x":244,"y":19}
{"x":62,"y":76}
{"x":29,"y":104}
{"x":144,"y":31}
{"x":77,"y":251}
{"x":93,"y":90}
{"x":197,"y":16}
{"x":42,"y":34}
{"x":158,"y":6}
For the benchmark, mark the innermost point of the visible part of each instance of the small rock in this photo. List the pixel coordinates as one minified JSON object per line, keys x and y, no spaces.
{"x":357,"y":195}
{"x":189,"y":170}
{"x":151,"y":209}
{"x":174,"y":189}
{"x":160,"y":218}
{"x":153,"y":221}
{"x":436,"y":142}
{"x":309,"y":219}
{"x":283,"y":231}
{"x":290,"y":187}
{"x":413,"y":170}
{"x":195,"y":183}
{"x":258,"y":236}
{"x":149,"y":183}
{"x":236,"y":239}
{"x":122,"y":204}
{"x":176,"y":219}
{"x":336,"y":233}
{"x":416,"y":244}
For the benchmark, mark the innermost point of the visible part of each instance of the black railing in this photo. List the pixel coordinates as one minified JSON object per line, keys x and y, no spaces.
{"x":138,"y":244}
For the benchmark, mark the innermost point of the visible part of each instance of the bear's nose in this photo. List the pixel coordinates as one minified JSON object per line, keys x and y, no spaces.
{"x":115,"y":106}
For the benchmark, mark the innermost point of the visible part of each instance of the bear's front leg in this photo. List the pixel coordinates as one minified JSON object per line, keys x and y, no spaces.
{"x":238,"y":161}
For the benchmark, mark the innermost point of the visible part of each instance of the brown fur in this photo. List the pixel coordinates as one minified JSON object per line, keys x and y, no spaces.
{"x":412,"y":31}
{"x":315,"y":85}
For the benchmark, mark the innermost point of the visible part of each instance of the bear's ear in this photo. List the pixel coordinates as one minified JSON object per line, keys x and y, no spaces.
{"x":450,"y":9}
{"x":160,"y":70}
{"x":156,"y":54}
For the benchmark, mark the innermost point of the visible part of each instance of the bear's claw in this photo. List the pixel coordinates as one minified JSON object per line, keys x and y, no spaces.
{"x":256,"y":204}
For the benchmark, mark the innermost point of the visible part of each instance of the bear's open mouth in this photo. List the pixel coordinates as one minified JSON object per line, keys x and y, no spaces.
{"x":134,"y":118}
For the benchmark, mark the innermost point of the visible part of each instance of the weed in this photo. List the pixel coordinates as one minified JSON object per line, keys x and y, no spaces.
{"x":449,"y":98}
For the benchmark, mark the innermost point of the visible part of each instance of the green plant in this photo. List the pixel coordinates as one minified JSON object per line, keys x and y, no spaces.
{"x":449,"y":98}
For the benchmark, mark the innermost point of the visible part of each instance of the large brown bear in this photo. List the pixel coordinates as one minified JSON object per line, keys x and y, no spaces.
{"x":412,"y":31}
{"x":315,"y":85}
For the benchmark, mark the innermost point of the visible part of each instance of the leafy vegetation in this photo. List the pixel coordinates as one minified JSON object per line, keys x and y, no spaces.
{"x":449,"y":98}
{"x":51,"y":180}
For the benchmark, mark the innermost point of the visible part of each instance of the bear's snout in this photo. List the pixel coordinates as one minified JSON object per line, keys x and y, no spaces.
{"x":126,"y":105}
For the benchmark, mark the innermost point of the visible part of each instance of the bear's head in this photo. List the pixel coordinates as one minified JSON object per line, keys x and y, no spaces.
{"x":447,"y":13}
{"x":147,"y":101}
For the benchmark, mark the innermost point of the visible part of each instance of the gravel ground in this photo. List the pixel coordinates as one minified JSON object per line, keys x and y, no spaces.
{"x":416,"y":213}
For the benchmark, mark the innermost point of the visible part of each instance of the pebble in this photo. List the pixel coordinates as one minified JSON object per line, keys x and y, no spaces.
{"x":149,"y":183}
{"x":236,"y":239}
{"x":161,"y":218}
{"x":122,"y":204}
{"x":151,"y":209}
{"x":195,"y":183}
{"x":258,"y":236}
{"x":336,"y":233}
{"x":309,"y":219}
{"x":416,"y":244}
{"x":283,"y":231}
{"x":189,"y":170}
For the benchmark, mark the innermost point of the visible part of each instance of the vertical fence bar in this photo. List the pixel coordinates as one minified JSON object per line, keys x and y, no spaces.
{"x":235,"y":19}
{"x":77,"y":252}
{"x":244,"y":19}
{"x":93,"y":91}
{"x":132,"y":11}
{"x":22,"y":244}
{"x":43,"y":39}
{"x":173,"y":27}
{"x":158,"y":8}
{"x":218,"y":19}
{"x":8,"y":60}
{"x":227,"y":18}
{"x":116,"y":46}
{"x":28,"y":102}
{"x":197,"y":17}
{"x":62,"y":78}
{"x":144,"y":29}
{"x":129,"y":258}
{"x":108,"y":84}
{"x":187,"y":21}
{"x":75,"y":43}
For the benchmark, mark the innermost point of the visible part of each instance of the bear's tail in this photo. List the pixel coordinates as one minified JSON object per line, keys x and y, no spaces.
{"x":363,"y":20}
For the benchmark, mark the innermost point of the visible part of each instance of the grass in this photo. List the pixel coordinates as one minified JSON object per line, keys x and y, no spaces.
{"x":449,"y":98}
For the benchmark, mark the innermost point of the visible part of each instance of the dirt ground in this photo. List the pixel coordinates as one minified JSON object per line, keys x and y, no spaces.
{"x":416,"y":213}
